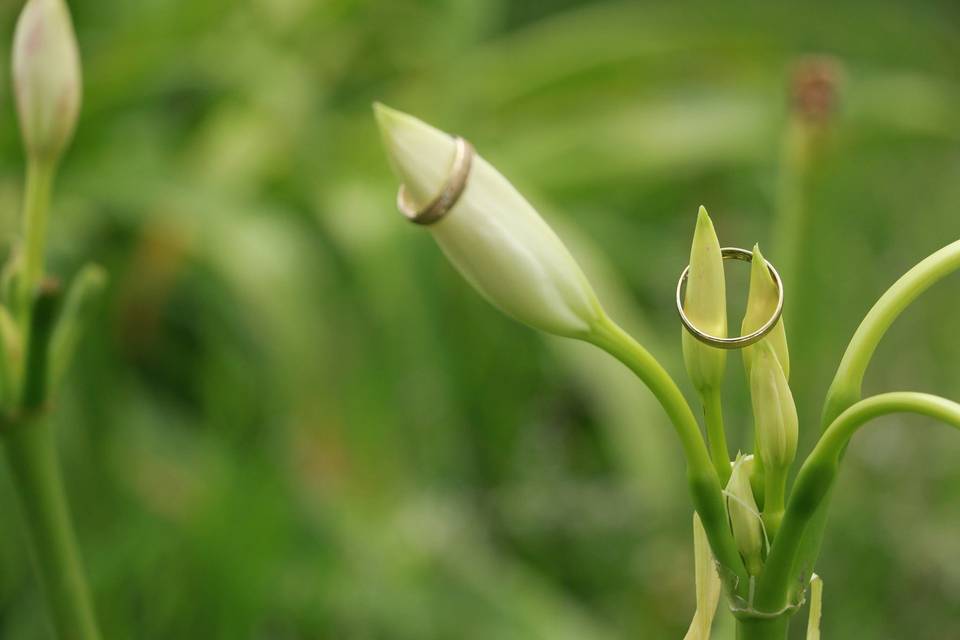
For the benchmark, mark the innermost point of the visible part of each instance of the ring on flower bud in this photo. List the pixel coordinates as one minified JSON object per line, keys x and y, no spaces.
{"x":732,"y":253}
{"x":450,"y":192}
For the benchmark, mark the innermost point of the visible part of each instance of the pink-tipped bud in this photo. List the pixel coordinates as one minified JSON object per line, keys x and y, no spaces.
{"x":46,"y":78}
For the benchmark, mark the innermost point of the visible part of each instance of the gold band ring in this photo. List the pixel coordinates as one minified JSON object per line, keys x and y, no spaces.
{"x":450,"y":192}
{"x":732,"y":253}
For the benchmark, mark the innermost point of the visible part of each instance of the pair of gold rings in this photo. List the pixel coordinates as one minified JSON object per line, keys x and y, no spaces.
{"x":456,"y":182}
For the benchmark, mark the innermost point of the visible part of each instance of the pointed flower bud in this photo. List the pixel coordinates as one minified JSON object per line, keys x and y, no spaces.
{"x":492,"y":235}
{"x":707,"y":583}
{"x":773,"y":410}
{"x":745,"y":518}
{"x":705,"y":304}
{"x":46,"y":77}
{"x":761,"y":304}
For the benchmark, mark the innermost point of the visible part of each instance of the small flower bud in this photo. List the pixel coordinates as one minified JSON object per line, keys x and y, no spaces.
{"x":708,"y":584}
{"x":705,"y":304}
{"x":774,"y":411}
{"x":761,"y":303}
{"x":744,"y":515}
{"x":46,"y":77}
{"x":492,"y":235}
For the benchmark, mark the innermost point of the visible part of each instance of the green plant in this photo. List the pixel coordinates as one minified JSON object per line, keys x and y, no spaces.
{"x":40,"y":325}
{"x":764,"y":536}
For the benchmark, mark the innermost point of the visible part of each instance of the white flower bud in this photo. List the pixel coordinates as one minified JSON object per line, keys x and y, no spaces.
{"x":492,"y":235}
{"x":705,"y":304}
{"x":773,"y":410}
{"x":761,"y":304}
{"x":744,"y":515}
{"x":46,"y":77}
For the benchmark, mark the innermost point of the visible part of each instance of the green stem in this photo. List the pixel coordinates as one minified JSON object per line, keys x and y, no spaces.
{"x":775,"y":486}
{"x":716,"y":437}
{"x":846,"y":385}
{"x":791,"y":225}
{"x":845,"y":389}
{"x":763,"y":629}
{"x":703,"y":481}
{"x":32,"y":458}
{"x":36,"y":207}
{"x":817,"y":475}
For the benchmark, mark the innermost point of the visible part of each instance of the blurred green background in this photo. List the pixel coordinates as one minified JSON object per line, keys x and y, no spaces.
{"x":294,"y":420}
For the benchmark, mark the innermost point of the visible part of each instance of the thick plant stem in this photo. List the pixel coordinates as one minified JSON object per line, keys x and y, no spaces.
{"x":703,"y":480}
{"x":791,"y":223}
{"x":32,"y":459}
{"x":817,"y":475}
{"x":764,"y":629}
{"x":716,"y":437}
{"x":35,"y":212}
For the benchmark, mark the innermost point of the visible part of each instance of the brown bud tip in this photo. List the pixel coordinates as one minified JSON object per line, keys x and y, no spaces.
{"x":814,"y":88}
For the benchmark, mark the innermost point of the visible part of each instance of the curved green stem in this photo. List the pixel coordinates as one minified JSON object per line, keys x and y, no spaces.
{"x":817,"y":475}
{"x":702,"y":477}
{"x":32,"y":457}
{"x":845,"y":388}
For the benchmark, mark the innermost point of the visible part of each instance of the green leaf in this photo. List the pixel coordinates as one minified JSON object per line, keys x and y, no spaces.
{"x":83,"y":293}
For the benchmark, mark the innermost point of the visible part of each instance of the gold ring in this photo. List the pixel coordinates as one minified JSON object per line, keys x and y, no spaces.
{"x":739,"y":342}
{"x":450,"y":192}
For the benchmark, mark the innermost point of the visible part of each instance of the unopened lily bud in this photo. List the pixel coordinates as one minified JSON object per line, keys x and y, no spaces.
{"x":492,"y":235}
{"x":705,"y":304}
{"x":761,"y":304}
{"x":773,"y":410}
{"x":46,"y":77}
{"x":744,"y":515}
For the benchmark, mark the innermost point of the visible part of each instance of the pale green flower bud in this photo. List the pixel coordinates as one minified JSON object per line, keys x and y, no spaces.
{"x":492,"y":235}
{"x":773,"y":410}
{"x":744,"y":515}
{"x":707,"y":583}
{"x":761,"y":304}
{"x":46,"y":78}
{"x":705,"y":303}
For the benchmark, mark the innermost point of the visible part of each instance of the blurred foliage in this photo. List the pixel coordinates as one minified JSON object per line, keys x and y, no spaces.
{"x":293,"y":420}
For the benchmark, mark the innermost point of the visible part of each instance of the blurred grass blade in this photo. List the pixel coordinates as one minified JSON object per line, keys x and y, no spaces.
{"x":86,"y":288}
{"x":708,"y":585}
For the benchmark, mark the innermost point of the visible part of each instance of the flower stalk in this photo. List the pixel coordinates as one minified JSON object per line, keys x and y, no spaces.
{"x":703,"y":481}
{"x":46,"y":72}
{"x":762,"y":537}
{"x":34,"y":469}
